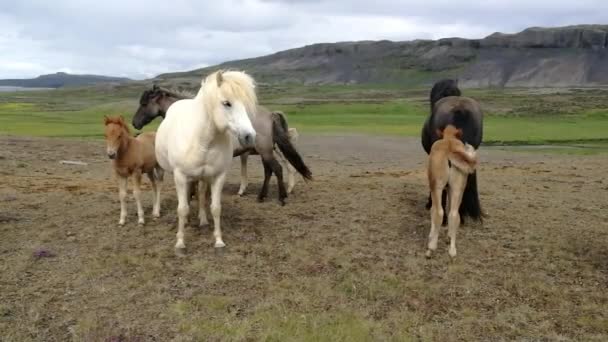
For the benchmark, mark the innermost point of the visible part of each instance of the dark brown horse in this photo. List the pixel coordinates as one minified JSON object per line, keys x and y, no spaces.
{"x":271,"y":129}
{"x":449,"y":108}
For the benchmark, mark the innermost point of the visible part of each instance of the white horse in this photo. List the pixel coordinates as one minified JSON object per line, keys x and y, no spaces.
{"x":194,"y":142}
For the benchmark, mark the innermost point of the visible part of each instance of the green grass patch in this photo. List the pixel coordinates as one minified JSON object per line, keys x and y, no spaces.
{"x":513,"y":117}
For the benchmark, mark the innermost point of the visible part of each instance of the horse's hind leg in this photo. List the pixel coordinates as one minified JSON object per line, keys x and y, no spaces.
{"x":122,"y":195}
{"x":436,"y":218}
{"x":267,"y":175}
{"x":244,"y":181}
{"x":458,"y":182}
{"x":137,"y":195}
{"x":278,"y":171}
{"x":216,"y":208}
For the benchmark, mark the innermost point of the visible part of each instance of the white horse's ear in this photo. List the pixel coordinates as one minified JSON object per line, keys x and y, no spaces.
{"x":220,"y":78}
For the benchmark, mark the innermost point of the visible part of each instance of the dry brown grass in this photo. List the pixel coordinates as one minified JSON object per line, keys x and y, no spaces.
{"x":343,"y":261}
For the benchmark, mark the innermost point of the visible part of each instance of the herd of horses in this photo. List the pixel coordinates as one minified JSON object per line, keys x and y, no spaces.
{"x":201,"y":134}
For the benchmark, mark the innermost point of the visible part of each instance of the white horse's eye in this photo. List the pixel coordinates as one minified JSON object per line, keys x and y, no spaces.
{"x":227,"y":104}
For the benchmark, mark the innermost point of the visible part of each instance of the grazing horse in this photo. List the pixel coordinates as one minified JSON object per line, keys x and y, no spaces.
{"x":448,"y":107}
{"x":132,"y":157}
{"x":194,"y":142}
{"x":450,"y":163}
{"x":271,"y":128}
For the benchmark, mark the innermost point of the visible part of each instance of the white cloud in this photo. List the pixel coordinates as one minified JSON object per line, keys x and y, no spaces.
{"x":142,"y":38}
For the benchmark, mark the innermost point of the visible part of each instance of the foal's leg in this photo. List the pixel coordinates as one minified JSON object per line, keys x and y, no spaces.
{"x":137,"y":195}
{"x":203,"y":189}
{"x":122,"y":195}
{"x":458,"y":181}
{"x":244,"y":181}
{"x":436,"y":218}
{"x":278,"y":171}
{"x":183,"y":207}
{"x":156,"y":195}
{"x":267,"y":175}
{"x":216,"y":208}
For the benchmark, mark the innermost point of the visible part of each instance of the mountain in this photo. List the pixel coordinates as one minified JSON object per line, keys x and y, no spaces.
{"x":535,"y":57}
{"x":61,"y":79}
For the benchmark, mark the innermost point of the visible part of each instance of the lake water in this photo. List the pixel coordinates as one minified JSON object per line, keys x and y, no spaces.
{"x":9,"y":89}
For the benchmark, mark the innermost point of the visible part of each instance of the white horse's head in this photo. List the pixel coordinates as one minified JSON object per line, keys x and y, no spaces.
{"x":230,"y":99}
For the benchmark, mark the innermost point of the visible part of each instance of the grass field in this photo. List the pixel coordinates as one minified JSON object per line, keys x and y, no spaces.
{"x":513,"y":117}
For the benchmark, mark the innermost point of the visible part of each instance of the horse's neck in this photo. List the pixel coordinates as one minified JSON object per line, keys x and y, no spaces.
{"x":125,"y":145}
{"x":167,"y":102}
{"x":208,"y":132}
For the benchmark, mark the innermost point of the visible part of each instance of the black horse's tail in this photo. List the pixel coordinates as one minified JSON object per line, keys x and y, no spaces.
{"x":470,"y":205}
{"x":280,"y":135}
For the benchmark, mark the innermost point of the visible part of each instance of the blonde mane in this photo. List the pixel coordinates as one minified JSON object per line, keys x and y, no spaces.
{"x":235,"y":85}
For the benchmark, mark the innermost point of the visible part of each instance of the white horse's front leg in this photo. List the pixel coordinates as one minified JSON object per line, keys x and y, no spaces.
{"x":137,"y":195}
{"x":202,"y":203}
{"x":122,"y":195}
{"x":216,"y":208}
{"x":183,"y":207}
{"x":244,"y":181}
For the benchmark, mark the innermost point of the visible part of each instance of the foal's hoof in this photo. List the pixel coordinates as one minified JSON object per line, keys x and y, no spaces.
{"x":282,"y":202}
{"x":429,"y":253}
{"x":260,"y":199}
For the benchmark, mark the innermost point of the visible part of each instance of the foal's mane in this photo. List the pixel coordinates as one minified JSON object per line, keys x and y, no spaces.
{"x":230,"y":85}
{"x":117,"y":120}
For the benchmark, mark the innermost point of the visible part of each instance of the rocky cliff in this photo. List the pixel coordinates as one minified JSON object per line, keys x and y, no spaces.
{"x":535,"y":57}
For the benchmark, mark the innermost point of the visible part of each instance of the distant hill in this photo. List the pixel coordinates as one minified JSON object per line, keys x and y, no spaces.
{"x":535,"y":57}
{"x":61,"y":79}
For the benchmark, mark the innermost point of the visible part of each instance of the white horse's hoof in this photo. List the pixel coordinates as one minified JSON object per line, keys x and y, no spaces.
{"x":180,"y":245}
{"x":121,"y":223}
{"x":219,"y":244}
{"x":429,"y":253}
{"x":156,"y":215}
{"x":141,"y":222}
{"x":452,"y":253}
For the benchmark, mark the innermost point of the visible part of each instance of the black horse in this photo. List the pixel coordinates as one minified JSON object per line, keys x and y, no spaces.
{"x":449,"y":107}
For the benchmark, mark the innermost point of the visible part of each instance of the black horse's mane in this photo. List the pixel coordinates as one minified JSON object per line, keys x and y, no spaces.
{"x":156,"y":90}
{"x":444,"y":88}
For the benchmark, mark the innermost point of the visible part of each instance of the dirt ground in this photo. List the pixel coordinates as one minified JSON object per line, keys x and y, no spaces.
{"x":344,"y":260}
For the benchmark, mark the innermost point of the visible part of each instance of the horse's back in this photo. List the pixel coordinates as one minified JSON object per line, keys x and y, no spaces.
{"x":464,"y":113}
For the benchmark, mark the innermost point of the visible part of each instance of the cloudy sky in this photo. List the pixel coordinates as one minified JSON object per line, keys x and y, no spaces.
{"x":140,"y":39}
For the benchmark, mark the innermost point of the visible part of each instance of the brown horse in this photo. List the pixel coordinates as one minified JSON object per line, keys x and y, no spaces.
{"x":450,"y":163}
{"x":271,"y":129}
{"x":132,"y":157}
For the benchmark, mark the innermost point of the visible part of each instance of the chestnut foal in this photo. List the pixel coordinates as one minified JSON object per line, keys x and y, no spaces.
{"x":132,"y":157}
{"x":450,"y":163}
